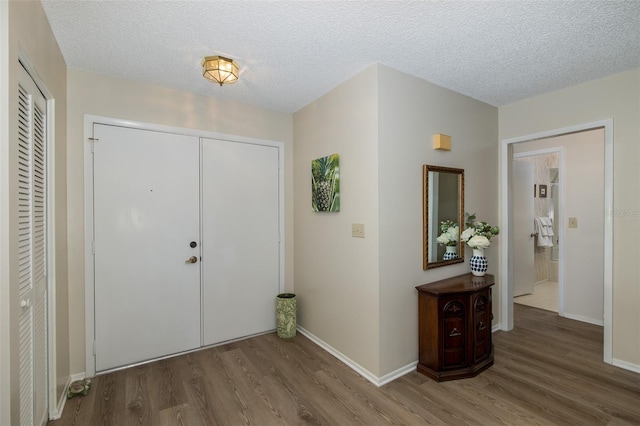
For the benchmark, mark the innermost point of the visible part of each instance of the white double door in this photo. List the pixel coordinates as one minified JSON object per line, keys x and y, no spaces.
{"x":186,"y":242}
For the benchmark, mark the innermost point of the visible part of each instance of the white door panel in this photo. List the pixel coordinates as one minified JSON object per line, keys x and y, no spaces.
{"x":240,"y":239}
{"x":146,"y":213}
{"x":523,"y":242}
{"x":32,"y":198}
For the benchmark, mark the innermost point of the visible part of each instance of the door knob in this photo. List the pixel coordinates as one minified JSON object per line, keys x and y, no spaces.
{"x":192,"y":259}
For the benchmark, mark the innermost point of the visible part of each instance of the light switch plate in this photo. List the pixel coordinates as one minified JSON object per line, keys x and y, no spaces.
{"x":357,"y":230}
{"x":573,"y":222}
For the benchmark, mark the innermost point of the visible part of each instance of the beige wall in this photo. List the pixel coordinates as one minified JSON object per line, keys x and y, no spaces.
{"x":29,"y":33}
{"x":583,"y":248}
{"x":359,"y":295}
{"x":336,"y":275}
{"x":616,"y":97}
{"x":411,"y":112}
{"x":109,"y":97}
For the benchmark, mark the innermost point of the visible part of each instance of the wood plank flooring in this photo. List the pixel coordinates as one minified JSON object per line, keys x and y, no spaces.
{"x":547,"y":371}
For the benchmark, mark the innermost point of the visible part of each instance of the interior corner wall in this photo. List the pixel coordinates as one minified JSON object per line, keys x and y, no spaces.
{"x":411,"y":112}
{"x":95,"y":94}
{"x":615,"y":97}
{"x":29,"y":34}
{"x":336,"y":275}
{"x":583,"y":175}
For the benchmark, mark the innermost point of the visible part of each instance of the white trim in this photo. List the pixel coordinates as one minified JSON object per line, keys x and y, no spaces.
{"x":89,"y":316}
{"x":342,"y":357}
{"x":608,"y":241}
{"x":626,"y":365}
{"x":378,"y":381}
{"x":51,"y":254}
{"x":506,"y":260}
{"x":141,"y":125}
{"x":537,"y":152}
{"x":73,"y":378}
{"x":390,"y":377}
{"x":560,"y":220}
{"x":582,"y":318}
{"x":89,"y":121}
{"x":57,"y":412}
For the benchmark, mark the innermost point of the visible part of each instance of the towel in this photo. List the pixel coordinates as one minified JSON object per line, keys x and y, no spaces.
{"x":547,"y":226}
{"x":547,"y":222}
{"x":543,"y":227}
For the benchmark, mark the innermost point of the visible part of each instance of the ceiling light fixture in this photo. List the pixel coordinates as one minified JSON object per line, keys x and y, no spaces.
{"x":220,"y":70}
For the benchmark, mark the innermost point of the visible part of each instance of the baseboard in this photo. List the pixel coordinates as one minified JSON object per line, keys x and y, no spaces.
{"x":496,"y":327}
{"x":77,"y":376}
{"x":56,"y":413}
{"x":378,"y":381}
{"x":584,"y":319}
{"x":626,"y":365}
{"x":390,"y":377}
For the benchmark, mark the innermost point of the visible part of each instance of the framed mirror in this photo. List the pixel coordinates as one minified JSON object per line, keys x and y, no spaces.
{"x":443,"y":216}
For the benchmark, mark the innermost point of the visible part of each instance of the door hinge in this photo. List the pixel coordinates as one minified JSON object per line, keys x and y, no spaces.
{"x":94,"y":347}
{"x":93,"y":140}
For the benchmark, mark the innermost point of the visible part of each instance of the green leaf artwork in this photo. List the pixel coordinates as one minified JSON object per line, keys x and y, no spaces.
{"x":325,"y":184}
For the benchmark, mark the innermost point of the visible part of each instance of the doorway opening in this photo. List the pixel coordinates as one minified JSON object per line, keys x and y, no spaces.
{"x":537,"y":279}
{"x":572,"y":223}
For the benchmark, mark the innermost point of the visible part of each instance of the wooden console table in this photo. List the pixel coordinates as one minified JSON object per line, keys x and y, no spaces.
{"x":455,"y":327}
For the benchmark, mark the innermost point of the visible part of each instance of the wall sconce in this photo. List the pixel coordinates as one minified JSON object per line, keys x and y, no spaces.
{"x":442,"y":142}
{"x":220,"y":70}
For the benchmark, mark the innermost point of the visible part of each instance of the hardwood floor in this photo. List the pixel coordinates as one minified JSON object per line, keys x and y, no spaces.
{"x":547,"y":371}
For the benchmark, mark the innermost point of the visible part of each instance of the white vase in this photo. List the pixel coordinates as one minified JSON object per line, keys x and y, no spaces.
{"x":478,"y":263}
{"x":450,"y":252}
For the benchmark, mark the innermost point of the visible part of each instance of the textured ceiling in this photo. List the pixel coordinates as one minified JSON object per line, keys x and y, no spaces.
{"x":291,"y":53}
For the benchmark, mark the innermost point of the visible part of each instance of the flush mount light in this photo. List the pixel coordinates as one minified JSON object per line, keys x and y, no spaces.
{"x":220,"y":70}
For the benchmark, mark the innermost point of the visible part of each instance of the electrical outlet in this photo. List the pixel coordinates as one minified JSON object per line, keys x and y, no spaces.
{"x":357,"y":230}
{"x":573,"y":222}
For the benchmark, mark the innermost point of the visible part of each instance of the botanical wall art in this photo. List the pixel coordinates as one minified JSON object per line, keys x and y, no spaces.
{"x":325,"y":184}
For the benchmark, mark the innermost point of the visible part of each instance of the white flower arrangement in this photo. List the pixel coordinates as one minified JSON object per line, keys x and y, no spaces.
{"x":450,"y":233}
{"x":478,"y":234}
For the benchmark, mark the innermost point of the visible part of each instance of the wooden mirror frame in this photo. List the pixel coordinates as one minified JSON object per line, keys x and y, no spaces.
{"x":425,"y":216}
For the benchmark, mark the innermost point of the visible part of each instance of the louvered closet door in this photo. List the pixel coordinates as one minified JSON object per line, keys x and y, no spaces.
{"x":32,"y":251}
